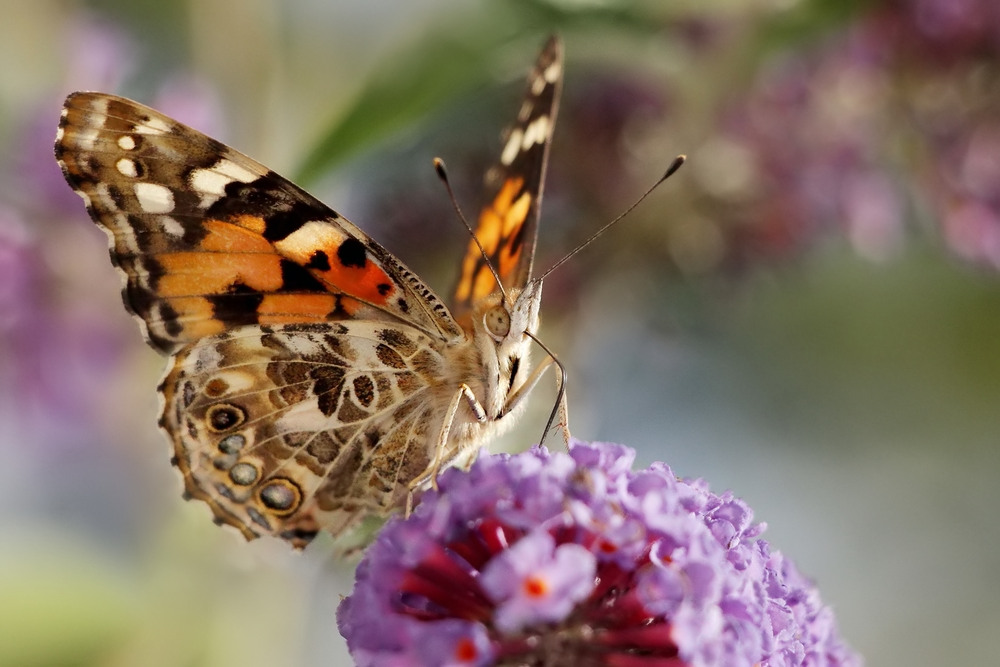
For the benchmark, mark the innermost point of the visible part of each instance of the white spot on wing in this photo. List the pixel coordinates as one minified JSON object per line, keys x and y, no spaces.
{"x":158,"y":315}
{"x":300,"y":244}
{"x":303,"y":346}
{"x":102,"y":197}
{"x":122,"y":234}
{"x":238,"y":382}
{"x":208,"y":357}
{"x":211,"y":182}
{"x":207,"y":181}
{"x":537,"y":85}
{"x":99,"y":105}
{"x":551,"y":73}
{"x":126,"y":167}
{"x":536,"y":133}
{"x":154,"y":198}
{"x":153,"y":126}
{"x":101,"y":190}
{"x":86,"y":138}
{"x":171,"y":226}
{"x":304,"y":416}
{"x":234,"y":171}
{"x":126,"y":143}
{"x":512,"y":148}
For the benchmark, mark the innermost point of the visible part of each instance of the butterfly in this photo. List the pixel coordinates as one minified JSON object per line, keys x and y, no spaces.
{"x":313,"y":379}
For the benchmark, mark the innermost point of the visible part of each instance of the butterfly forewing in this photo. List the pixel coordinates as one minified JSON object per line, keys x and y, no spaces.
{"x":508,"y":222}
{"x":209,"y":239}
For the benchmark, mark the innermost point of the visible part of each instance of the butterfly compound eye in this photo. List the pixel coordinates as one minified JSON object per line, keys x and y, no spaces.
{"x":497,"y":322}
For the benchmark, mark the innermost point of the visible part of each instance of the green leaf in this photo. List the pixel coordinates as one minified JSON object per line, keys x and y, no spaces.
{"x":451,"y":62}
{"x":414,"y":84}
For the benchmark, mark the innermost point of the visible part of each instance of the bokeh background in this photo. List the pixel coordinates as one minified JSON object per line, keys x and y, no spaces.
{"x":808,"y":313}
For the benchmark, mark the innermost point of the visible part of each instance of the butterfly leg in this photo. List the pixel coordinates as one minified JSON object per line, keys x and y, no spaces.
{"x":464,"y":393}
{"x":560,"y":410}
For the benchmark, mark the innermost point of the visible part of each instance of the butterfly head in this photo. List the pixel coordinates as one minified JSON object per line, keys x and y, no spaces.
{"x":507,"y":319}
{"x":501,"y":324}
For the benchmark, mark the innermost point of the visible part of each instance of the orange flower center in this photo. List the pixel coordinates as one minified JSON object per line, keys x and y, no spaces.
{"x":536,"y":587}
{"x":465,"y":650}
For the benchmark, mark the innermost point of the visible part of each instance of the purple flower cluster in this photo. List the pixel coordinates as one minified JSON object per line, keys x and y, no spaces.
{"x":554,"y":558}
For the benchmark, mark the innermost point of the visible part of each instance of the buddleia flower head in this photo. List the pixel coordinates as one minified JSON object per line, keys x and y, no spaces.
{"x":550,"y":558}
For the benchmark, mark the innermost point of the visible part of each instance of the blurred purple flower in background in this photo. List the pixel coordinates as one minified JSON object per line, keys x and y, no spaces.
{"x":886,"y":120}
{"x":97,"y":56}
{"x":58,"y":340}
{"x":810,"y":135}
{"x":553,"y":558}
{"x":191,"y":100}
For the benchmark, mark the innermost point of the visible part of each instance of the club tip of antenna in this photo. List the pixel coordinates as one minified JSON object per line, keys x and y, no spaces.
{"x":439,"y":168}
{"x":674,"y":166}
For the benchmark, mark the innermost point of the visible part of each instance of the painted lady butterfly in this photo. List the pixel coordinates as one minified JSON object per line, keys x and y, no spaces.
{"x":313,"y":378}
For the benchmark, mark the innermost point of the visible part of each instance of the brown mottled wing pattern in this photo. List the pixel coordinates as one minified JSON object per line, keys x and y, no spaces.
{"x":291,"y":429}
{"x":508,"y":223}
{"x":209,"y":239}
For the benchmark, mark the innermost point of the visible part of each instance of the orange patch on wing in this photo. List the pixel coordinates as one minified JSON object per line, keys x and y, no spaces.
{"x":515,"y":215}
{"x":497,"y":222}
{"x":513,"y":220}
{"x":196,"y":316}
{"x":350,"y":306}
{"x":360,"y":277}
{"x":368,"y":283}
{"x":494,"y":226}
{"x":240,"y":235}
{"x":484,"y":285}
{"x":193,"y":273}
{"x":290,"y":308}
{"x":254,"y":223}
{"x":464,"y":288}
{"x":488,"y":232}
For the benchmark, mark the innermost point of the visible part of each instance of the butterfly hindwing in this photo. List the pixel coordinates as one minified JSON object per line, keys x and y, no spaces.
{"x":285,"y":430}
{"x":508,"y":222}
{"x":209,"y":239}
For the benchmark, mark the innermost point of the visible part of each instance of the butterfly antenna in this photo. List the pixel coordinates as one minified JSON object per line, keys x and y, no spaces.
{"x":674,"y":166}
{"x":561,"y":394}
{"x":443,"y":175}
